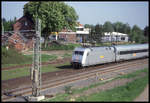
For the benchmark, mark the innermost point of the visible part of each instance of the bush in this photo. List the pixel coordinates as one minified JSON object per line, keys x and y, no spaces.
{"x":60,"y":47}
{"x":68,"y":89}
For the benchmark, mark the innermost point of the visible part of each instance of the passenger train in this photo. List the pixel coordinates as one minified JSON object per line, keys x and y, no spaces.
{"x":87,"y":56}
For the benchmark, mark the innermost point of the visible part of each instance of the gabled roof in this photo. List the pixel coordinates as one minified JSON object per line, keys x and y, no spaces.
{"x":29,"y":18}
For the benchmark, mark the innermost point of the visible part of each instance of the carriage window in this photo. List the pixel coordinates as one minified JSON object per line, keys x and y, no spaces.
{"x":133,"y":51}
{"x":78,"y":53}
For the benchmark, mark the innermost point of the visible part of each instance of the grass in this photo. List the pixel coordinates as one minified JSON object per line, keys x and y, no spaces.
{"x":66,"y":55}
{"x":12,"y":56}
{"x":126,"y":92}
{"x":14,"y":73}
{"x":44,"y":58}
{"x":69,"y":46}
{"x":20,"y":72}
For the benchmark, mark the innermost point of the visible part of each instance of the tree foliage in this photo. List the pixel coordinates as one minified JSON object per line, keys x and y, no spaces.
{"x":108,"y":27}
{"x":96,"y":33}
{"x":146,"y":31}
{"x":55,"y":16}
{"x":88,"y":26}
{"x":121,"y":27}
{"x":8,"y":25}
{"x":135,"y":33}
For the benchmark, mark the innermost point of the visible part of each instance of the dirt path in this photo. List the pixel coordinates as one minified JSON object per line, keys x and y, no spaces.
{"x":144,"y":96}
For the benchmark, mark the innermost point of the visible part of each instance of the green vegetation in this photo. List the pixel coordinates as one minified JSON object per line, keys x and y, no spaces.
{"x":14,"y":73}
{"x":55,"y":16}
{"x":20,"y":72}
{"x":126,"y":92}
{"x":68,"y":89}
{"x":66,"y":55}
{"x":69,"y":46}
{"x":135,"y":33}
{"x":8,"y":24}
{"x":12,"y":58}
{"x":45,"y":57}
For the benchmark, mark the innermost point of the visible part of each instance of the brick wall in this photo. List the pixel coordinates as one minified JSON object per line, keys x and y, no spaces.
{"x":24,"y":23}
{"x":71,"y":38}
{"x":68,"y":37}
{"x":16,"y":41}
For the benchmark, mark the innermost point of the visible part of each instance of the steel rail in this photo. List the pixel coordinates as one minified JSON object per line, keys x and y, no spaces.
{"x":77,"y":77}
{"x":70,"y":76}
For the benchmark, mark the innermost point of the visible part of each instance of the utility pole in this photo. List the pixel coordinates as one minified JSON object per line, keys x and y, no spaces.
{"x":2,"y":28}
{"x":36,"y":61}
{"x":36,"y":66}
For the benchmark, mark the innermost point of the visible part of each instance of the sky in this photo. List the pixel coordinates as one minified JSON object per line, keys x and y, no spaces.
{"x":133,"y":13}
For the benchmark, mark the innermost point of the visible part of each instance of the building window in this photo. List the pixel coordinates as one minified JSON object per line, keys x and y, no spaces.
{"x":79,"y":29}
{"x":25,"y":23}
{"x":122,"y":38}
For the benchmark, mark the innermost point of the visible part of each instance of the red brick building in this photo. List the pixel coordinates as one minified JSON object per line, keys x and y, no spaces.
{"x":67,"y":36}
{"x":24,"y":23}
{"x":21,"y":39}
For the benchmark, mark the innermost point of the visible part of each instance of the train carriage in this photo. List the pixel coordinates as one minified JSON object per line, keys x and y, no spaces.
{"x":126,"y":52}
{"x":82,"y":56}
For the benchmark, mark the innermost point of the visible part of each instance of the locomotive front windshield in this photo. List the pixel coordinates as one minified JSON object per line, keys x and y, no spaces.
{"x":78,"y":53}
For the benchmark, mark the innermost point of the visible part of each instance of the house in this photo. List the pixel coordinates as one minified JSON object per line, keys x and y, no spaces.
{"x":24,"y":23}
{"x":115,"y":36}
{"x":22,"y":36}
{"x":82,"y":34}
{"x":67,"y":36}
{"x":21,"y":43}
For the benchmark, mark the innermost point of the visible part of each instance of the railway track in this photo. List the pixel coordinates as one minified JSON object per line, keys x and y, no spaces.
{"x":25,"y":91}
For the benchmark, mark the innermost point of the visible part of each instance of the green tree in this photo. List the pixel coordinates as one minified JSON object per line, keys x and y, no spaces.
{"x":108,"y":27}
{"x":136,"y":34}
{"x":118,"y":27}
{"x":96,"y":33}
{"x":8,"y":25}
{"x":146,"y":31}
{"x":88,"y":25}
{"x":55,"y":16}
{"x":126,"y":28}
